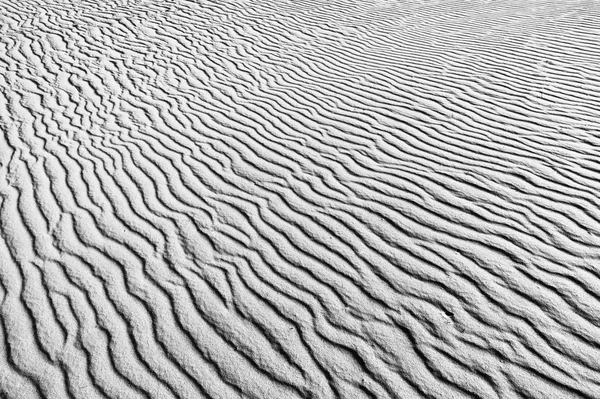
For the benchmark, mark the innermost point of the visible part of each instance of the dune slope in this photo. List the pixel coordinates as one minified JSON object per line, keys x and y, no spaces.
{"x":299,"y":199}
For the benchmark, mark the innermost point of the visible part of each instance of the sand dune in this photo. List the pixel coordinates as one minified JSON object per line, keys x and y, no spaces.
{"x":299,"y":199}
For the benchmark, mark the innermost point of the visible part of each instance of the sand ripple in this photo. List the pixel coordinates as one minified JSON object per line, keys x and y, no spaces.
{"x":299,"y":199}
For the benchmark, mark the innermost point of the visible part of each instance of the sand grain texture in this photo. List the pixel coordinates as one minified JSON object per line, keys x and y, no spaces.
{"x":299,"y":199}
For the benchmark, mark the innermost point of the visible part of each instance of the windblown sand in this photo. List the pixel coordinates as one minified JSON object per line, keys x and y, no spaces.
{"x":299,"y":199}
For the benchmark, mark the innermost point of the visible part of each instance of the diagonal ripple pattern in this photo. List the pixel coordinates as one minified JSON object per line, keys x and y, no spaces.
{"x":299,"y":199}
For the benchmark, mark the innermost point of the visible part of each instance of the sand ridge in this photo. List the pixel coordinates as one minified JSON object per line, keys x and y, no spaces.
{"x":299,"y":199}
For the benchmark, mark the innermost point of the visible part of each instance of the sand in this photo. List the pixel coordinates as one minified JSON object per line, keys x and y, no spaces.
{"x":299,"y":199}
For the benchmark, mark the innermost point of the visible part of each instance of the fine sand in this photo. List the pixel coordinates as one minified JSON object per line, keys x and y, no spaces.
{"x":299,"y":199}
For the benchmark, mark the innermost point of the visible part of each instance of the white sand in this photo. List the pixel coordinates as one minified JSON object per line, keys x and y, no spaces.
{"x":299,"y":199}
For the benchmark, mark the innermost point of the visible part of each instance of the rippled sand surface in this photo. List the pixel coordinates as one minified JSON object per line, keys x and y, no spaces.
{"x":299,"y":199}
